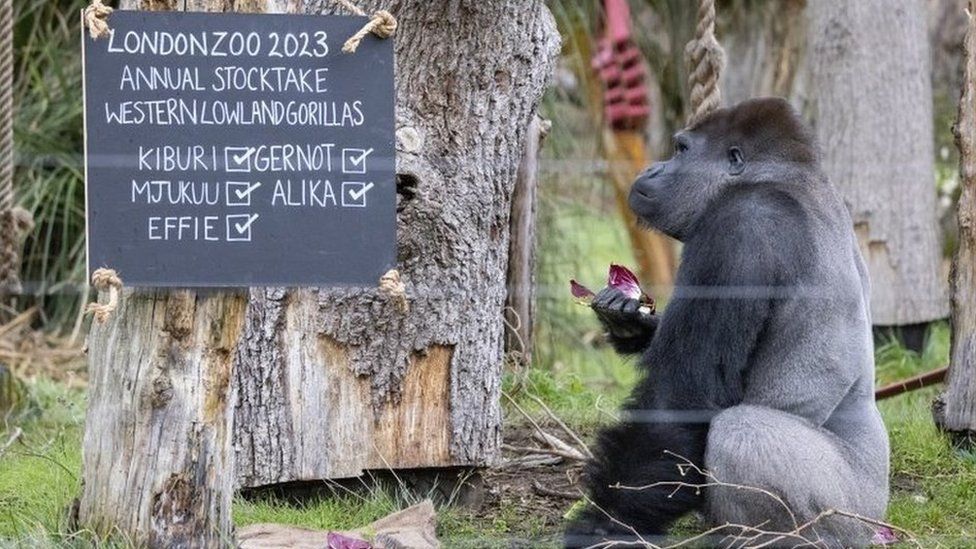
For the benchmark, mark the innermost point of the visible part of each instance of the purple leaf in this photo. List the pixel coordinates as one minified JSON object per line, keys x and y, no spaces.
{"x":340,"y":541}
{"x":884,"y":536}
{"x":624,"y":280}
{"x":580,"y":292}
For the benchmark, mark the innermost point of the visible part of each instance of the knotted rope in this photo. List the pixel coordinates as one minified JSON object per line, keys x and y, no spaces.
{"x":382,"y":24}
{"x":96,"y":18}
{"x":393,"y":287}
{"x":105,"y":280}
{"x":15,"y":222}
{"x":706,"y":59}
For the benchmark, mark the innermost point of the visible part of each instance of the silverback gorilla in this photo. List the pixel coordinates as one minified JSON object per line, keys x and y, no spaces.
{"x":761,"y":367}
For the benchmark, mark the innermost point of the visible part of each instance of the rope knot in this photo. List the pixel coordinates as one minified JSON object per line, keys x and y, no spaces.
{"x":15,"y":223}
{"x":96,"y":18}
{"x":382,"y":24}
{"x":102,"y":280}
{"x":386,"y":24}
{"x":394,"y":288}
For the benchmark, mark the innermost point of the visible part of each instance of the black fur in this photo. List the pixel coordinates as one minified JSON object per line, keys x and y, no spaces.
{"x":740,"y":234}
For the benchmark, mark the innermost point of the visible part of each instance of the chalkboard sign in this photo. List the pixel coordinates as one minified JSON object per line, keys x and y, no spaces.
{"x":239,"y":150}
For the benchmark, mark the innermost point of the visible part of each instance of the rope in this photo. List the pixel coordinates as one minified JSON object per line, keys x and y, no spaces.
{"x":105,"y":280}
{"x":382,"y":24}
{"x":15,"y":222}
{"x":705,"y":59}
{"x":96,"y":19}
{"x":393,"y":287}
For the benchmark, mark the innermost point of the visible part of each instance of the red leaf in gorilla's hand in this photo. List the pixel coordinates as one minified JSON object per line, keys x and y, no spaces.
{"x":625,"y":280}
{"x":581,"y":292}
{"x":620,"y":278}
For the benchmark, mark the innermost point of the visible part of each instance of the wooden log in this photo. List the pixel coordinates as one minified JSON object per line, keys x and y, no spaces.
{"x":520,"y":302}
{"x":955,"y":409}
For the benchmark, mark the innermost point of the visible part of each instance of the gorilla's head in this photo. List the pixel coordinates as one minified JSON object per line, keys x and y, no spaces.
{"x":755,"y":142}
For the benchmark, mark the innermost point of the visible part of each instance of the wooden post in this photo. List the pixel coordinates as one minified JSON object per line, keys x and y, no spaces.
{"x":157,"y":453}
{"x":627,"y":156}
{"x":520,"y":302}
{"x":955,"y":409}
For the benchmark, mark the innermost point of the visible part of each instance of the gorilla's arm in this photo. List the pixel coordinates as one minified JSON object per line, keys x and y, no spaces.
{"x":629,"y":330}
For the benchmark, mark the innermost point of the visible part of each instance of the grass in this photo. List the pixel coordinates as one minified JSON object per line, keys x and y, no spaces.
{"x":934,"y":485}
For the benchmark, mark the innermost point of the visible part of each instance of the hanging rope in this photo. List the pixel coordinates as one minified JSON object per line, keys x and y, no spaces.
{"x":382,"y":24}
{"x":105,"y":280}
{"x":15,"y":222}
{"x":705,"y":59}
{"x":96,"y":18}
{"x":393,"y":287}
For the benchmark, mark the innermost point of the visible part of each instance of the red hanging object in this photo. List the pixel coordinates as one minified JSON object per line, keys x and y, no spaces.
{"x":620,"y":66}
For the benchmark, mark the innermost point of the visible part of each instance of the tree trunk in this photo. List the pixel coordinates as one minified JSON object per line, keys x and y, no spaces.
{"x":327,"y":383}
{"x":872,"y":107}
{"x":333,"y":382}
{"x":157,"y":448}
{"x":955,"y":410}
{"x":765,"y":44}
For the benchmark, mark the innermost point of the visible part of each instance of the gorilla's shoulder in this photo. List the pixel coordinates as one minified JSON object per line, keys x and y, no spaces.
{"x":757,"y":209}
{"x":756,"y":232}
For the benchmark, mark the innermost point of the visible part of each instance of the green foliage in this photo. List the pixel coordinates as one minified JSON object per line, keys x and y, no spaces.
{"x":39,"y":469}
{"x":48,"y":142}
{"x":337,"y":513}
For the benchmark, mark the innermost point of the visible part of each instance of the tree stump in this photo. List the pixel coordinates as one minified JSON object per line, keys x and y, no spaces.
{"x":282,"y":385}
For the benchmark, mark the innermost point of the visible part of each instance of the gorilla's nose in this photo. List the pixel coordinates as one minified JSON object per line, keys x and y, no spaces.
{"x":654,"y":171}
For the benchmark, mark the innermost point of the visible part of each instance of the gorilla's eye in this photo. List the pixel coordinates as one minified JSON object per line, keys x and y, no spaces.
{"x":736,"y":162}
{"x":680,"y":147}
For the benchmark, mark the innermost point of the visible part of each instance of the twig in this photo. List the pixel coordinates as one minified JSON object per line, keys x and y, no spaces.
{"x":531,"y":461}
{"x":562,"y":425}
{"x":543,"y":491}
{"x":543,"y":451}
{"x":14,"y":435}
{"x":557,"y":444}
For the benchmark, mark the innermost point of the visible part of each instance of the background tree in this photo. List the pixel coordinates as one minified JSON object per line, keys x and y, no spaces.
{"x":312,"y":384}
{"x":870,"y":98}
{"x":955,"y":409}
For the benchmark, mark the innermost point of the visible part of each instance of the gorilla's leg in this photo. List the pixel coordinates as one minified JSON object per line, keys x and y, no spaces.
{"x":633,"y":454}
{"x":809,"y":468}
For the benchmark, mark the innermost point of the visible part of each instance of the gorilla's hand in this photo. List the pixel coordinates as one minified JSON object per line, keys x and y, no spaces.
{"x":630,"y":329}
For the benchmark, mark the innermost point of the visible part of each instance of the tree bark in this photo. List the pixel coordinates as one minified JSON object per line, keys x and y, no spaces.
{"x":955,"y":409}
{"x":872,"y":108}
{"x":309,"y":384}
{"x":333,"y":382}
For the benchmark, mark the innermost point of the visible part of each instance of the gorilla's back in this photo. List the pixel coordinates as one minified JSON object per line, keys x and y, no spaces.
{"x":817,"y":360}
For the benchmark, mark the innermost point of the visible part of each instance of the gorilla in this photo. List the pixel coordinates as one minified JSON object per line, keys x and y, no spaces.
{"x":760,"y":371}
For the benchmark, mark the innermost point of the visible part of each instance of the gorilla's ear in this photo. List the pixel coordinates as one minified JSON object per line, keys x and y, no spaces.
{"x":737,"y":163}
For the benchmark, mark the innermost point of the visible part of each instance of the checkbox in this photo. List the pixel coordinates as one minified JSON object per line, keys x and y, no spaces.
{"x":354,"y":160}
{"x":237,"y":159}
{"x":239,"y":227}
{"x":354,"y":194}
{"x":239,"y":193}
